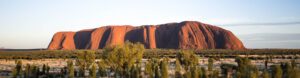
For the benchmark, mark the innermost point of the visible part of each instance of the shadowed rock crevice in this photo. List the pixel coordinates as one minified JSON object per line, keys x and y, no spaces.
{"x":82,"y":38}
{"x":104,"y":38}
{"x":183,"y":35}
{"x":134,"y":35}
{"x":167,"y":35}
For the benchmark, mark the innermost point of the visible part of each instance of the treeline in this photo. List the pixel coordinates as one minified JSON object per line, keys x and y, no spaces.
{"x":43,"y":54}
{"x":125,"y":61}
{"x":223,"y":53}
{"x":31,"y":71}
{"x":150,"y":53}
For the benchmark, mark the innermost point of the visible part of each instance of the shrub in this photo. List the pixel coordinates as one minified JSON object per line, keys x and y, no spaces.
{"x":178,"y":69}
{"x":245,"y":69}
{"x":265,"y":74}
{"x":93,"y":71}
{"x":149,"y":69}
{"x":277,"y":71}
{"x":70,"y":69}
{"x":122,"y":57}
{"x":85,"y":59}
{"x":195,"y":72}
{"x":210,"y":64}
{"x":187,"y":58}
{"x":102,"y":68}
{"x":164,"y":68}
{"x":18,"y":69}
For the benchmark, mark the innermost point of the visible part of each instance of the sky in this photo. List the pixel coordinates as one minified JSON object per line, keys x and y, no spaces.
{"x":26,"y":24}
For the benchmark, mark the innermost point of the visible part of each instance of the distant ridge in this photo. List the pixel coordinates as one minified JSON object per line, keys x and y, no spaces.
{"x":35,"y":49}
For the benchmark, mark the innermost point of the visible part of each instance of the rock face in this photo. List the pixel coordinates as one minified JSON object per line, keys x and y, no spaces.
{"x":63,"y":40}
{"x":183,"y":35}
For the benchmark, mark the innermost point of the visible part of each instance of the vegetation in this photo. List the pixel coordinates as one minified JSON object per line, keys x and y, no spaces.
{"x":125,"y":61}
{"x":245,"y":69}
{"x":187,"y":58}
{"x":84,"y":60}
{"x":18,"y":69}
{"x":210,"y":64}
{"x":178,"y":69}
{"x":153,"y":53}
{"x":276,"y":71}
{"x":122,"y":58}
{"x":93,"y":71}
{"x":102,"y":68}
{"x":164,"y":68}
{"x":227,"y":70}
{"x":266,"y":74}
{"x":149,"y":68}
{"x":70,"y":69}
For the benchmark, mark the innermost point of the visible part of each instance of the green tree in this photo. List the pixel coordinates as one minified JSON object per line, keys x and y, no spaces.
{"x":178,"y":69}
{"x":44,"y":68}
{"x":245,"y":69}
{"x":200,"y":72}
{"x":121,"y":58}
{"x":295,"y":73}
{"x":215,"y":74}
{"x":254,"y":72}
{"x":227,"y":70}
{"x":187,"y":58}
{"x":135,"y":72}
{"x":149,"y":69}
{"x":265,"y":74}
{"x":194,"y":72}
{"x":102,"y":68}
{"x":210,"y":64}
{"x":14,"y":73}
{"x":289,"y":71}
{"x":187,"y":75}
{"x":27,"y":71}
{"x":35,"y":71}
{"x":18,"y":69}
{"x":204,"y":73}
{"x":164,"y":68}
{"x":85,"y":59}
{"x":152,"y":68}
{"x":277,"y":71}
{"x":47,"y":69}
{"x":293,"y":63}
{"x":70,"y":69}
{"x":156,"y":72}
{"x":266,"y":63}
{"x":93,"y":71}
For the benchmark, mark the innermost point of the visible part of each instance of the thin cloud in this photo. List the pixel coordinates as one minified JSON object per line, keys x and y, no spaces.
{"x":262,"y":24}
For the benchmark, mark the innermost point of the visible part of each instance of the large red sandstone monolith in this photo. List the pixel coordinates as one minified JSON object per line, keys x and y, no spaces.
{"x":183,"y":35}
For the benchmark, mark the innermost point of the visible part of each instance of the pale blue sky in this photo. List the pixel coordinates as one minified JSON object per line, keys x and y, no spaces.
{"x":32,"y":23}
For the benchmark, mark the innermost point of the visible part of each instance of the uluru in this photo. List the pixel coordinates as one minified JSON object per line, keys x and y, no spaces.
{"x":183,"y":35}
